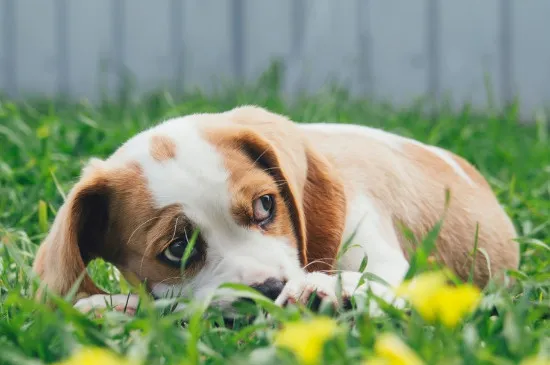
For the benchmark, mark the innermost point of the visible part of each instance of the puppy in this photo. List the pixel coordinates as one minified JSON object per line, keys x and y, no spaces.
{"x":269,"y":204}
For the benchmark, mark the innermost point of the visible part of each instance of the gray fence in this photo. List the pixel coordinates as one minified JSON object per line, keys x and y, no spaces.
{"x":393,"y":50}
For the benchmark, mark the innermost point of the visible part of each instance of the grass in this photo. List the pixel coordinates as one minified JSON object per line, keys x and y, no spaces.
{"x":45,"y":144}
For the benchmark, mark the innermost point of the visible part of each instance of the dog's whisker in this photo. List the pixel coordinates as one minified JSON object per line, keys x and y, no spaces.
{"x":254,"y":164}
{"x":318,"y":261}
{"x":332,"y":271}
{"x":141,"y":225}
{"x":168,"y":278}
{"x":175,"y":229}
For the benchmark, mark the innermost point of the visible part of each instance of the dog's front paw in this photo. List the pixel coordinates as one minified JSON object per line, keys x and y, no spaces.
{"x":120,"y":302}
{"x":338,"y":290}
{"x":315,"y":289}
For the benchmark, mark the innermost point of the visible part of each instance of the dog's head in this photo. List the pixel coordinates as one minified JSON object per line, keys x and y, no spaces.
{"x":260,"y":205}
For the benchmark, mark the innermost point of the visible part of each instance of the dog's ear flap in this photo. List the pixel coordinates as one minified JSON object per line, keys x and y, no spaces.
{"x":324,"y":206}
{"x":313,"y":190}
{"x":77,"y":236}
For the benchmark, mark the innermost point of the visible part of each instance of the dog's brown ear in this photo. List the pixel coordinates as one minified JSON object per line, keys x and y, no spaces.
{"x":313,"y":190}
{"x":76,"y":237}
{"x":324,"y":205}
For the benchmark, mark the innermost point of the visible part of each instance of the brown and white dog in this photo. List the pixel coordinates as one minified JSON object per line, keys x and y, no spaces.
{"x":273,"y":201}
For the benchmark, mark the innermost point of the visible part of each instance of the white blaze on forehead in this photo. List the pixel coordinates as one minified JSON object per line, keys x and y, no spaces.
{"x":392,"y":140}
{"x":195,"y":178}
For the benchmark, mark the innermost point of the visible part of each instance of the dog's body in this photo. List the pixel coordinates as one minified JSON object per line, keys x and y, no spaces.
{"x":273,"y":202}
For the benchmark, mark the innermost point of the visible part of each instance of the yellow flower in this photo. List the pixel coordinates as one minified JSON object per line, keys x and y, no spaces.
{"x":420,"y":291}
{"x":96,"y":356}
{"x":390,"y":350}
{"x":536,"y":361}
{"x":456,"y":302}
{"x":434,"y":299}
{"x":306,"y":339}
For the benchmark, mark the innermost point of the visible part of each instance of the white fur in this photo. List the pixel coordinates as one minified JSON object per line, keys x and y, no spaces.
{"x":371,"y":234}
{"x":392,"y":140}
{"x":98,"y":301}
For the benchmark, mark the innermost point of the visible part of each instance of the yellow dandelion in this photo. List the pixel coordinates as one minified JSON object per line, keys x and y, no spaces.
{"x":306,"y":338}
{"x":391,"y":350}
{"x":96,"y":356}
{"x":434,"y":299}
{"x":420,"y":291}
{"x":454,"y":303}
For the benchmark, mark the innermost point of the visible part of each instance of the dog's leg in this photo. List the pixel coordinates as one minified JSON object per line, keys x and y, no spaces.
{"x":119,"y":302}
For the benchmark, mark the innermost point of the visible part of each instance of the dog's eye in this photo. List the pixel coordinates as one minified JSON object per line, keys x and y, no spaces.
{"x":263,"y":209}
{"x":176,"y":252}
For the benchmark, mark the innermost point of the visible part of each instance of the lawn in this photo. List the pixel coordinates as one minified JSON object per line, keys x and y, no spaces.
{"x":44,"y":144}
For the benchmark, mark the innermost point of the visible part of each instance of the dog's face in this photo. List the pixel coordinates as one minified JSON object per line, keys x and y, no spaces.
{"x":199,"y":201}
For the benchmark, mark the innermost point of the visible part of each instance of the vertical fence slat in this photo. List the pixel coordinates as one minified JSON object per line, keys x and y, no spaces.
{"x":506,"y":49}
{"x":237,"y":32}
{"x":36,"y":48}
{"x":531,"y":55}
{"x":62,"y":44}
{"x":263,"y":47}
{"x":89,"y":47}
{"x":118,"y":52}
{"x":399,"y":50}
{"x":176,"y":34}
{"x":469,"y":51}
{"x":294,"y":82}
{"x":149,"y":50}
{"x":433,"y":29}
{"x":9,"y":67}
{"x":297,"y":25}
{"x":209,"y":56}
{"x":366,"y":82}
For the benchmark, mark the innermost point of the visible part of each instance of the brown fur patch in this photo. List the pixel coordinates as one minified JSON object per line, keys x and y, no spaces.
{"x":469,"y":207}
{"x":131,"y":234}
{"x":162,"y":148}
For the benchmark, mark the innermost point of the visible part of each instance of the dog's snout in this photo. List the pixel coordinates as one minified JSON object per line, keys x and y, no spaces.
{"x":271,"y":288}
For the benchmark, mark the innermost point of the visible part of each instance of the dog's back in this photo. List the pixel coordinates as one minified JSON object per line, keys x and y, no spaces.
{"x":405,"y":183}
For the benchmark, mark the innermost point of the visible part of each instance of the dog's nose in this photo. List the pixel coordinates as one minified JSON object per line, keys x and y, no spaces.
{"x":271,"y":288}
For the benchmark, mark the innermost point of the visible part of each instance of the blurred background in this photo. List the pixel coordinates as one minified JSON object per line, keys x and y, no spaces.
{"x":487,"y":53}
